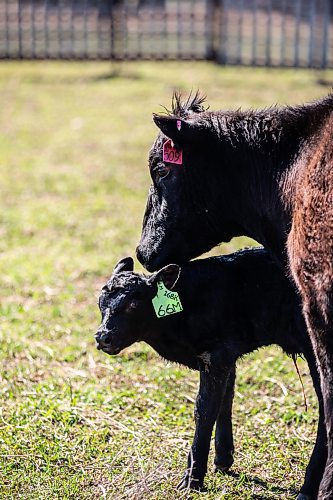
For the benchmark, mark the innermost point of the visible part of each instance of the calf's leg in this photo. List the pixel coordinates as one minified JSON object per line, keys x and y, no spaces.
{"x":208,"y":403}
{"x":224,"y":443}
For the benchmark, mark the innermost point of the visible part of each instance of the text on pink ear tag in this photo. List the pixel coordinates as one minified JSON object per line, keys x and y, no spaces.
{"x":170,"y":154}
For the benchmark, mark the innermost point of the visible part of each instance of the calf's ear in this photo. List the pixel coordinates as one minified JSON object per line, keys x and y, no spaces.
{"x":169,"y":275}
{"x":126,"y":264}
{"x":178,"y":130}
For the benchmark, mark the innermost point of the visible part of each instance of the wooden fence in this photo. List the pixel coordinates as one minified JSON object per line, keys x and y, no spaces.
{"x":282,"y":33}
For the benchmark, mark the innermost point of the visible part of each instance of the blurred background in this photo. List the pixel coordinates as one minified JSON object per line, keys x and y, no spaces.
{"x":79,"y":81}
{"x":252,"y":32}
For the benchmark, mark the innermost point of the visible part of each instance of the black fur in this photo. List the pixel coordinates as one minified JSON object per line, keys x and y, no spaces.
{"x":232,"y":305}
{"x":267,"y":174}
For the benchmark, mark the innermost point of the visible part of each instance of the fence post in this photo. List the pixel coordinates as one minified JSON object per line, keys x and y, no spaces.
{"x":210,"y":52}
{"x":296,"y":41}
{"x":240,"y":32}
{"x":326,"y":20}
{"x":268,"y":61}
{"x":7,"y":44}
{"x":254,"y":33}
{"x":111,"y":31}
{"x":283,"y":34}
{"x":46,"y":29}
{"x":312,"y":18}
{"x":19,"y":18}
{"x":223,"y":32}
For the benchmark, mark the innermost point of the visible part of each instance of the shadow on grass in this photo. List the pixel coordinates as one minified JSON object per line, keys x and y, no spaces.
{"x":323,"y":82}
{"x":264,"y":484}
{"x":115,"y":73}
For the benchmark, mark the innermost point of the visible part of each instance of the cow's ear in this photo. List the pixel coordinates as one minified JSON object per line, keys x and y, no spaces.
{"x":126,"y":264}
{"x":169,"y":275}
{"x":178,"y":130}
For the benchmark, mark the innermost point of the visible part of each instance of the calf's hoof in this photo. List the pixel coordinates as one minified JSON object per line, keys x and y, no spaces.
{"x":191,"y":483}
{"x":224,"y":464}
{"x":221,"y":468}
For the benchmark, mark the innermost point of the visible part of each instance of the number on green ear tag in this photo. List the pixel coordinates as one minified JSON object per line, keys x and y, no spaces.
{"x":166,"y":302}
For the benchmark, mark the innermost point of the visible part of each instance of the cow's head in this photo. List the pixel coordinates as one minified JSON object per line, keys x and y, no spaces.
{"x":126,"y":305}
{"x":184,"y":215}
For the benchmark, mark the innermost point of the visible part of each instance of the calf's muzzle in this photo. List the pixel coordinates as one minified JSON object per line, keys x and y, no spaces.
{"x":104,"y":342}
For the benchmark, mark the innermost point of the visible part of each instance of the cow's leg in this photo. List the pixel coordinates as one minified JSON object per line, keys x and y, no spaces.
{"x":314,"y":284}
{"x":208,"y":403}
{"x":321,"y":334}
{"x":317,"y":309}
{"x":310,"y":250}
{"x":224,"y":443}
{"x":316,"y":466}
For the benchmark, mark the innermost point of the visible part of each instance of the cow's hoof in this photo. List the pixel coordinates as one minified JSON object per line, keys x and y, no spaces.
{"x":303,"y":496}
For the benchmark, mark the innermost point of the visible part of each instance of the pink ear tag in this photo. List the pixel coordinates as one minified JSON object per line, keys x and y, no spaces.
{"x":170,"y":153}
{"x":179,"y":125}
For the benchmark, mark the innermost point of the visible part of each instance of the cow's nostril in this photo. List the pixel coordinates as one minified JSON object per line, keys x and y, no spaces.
{"x":139,"y":255}
{"x":150,"y":261}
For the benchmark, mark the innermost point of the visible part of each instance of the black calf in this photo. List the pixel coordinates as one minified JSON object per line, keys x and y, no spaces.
{"x":216,"y":310}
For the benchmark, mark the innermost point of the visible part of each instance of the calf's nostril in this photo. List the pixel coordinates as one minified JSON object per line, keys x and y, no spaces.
{"x":98,"y":335}
{"x":102,"y":339}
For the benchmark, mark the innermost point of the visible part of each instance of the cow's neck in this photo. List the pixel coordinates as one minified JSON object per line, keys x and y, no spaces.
{"x":258,"y":206}
{"x":258,"y":167}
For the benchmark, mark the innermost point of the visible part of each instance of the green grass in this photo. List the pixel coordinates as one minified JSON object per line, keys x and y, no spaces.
{"x":75,"y":423}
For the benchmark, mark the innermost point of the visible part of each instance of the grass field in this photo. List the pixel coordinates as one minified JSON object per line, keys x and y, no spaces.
{"x":75,"y":423}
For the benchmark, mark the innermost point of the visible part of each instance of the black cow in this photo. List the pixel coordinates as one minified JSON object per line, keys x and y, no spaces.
{"x":225,"y":307}
{"x":266,"y":174}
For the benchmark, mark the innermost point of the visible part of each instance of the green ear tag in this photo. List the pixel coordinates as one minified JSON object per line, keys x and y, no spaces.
{"x":166,"y":302}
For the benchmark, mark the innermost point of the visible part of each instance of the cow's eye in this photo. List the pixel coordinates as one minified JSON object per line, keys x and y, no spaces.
{"x":162,"y":171}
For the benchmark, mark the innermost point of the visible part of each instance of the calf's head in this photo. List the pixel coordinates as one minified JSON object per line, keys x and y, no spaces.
{"x":126,"y":306}
{"x":183,"y":206}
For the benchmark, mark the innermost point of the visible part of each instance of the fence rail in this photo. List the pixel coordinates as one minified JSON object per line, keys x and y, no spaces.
{"x":253,"y":32}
